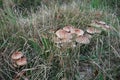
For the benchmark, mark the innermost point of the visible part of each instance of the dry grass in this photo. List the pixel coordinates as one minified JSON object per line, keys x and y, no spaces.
{"x":31,"y":34}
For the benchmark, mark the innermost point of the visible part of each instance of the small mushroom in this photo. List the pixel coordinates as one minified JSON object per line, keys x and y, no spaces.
{"x":63,"y":34}
{"x":22,"y":61}
{"x":96,"y":23}
{"x":17,"y":55}
{"x":93,"y":30}
{"x":57,"y":40}
{"x":68,"y":28}
{"x":105,"y":27}
{"x":77,"y":31}
{"x":100,"y":22}
{"x":66,"y":40}
{"x":88,"y":35}
{"x":73,"y":44}
{"x":83,"y":40}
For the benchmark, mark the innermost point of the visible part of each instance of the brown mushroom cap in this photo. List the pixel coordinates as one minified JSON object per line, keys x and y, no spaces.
{"x":100,"y":22}
{"x":17,"y":55}
{"x":77,"y":31}
{"x":63,"y":34}
{"x":105,"y":27}
{"x":68,"y":28}
{"x":83,"y":40}
{"x":21,"y":61}
{"x":93,"y":30}
{"x":96,"y":23}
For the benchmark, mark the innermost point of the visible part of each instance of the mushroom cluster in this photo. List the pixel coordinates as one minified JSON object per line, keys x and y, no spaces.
{"x":69,"y":34}
{"x":18,"y":59}
{"x":97,"y":27}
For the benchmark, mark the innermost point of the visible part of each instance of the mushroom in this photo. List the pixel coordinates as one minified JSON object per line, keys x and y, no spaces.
{"x":16,"y":55}
{"x":57,"y":40}
{"x":77,"y":31}
{"x":100,"y":22}
{"x":105,"y":27}
{"x":83,"y":40}
{"x":73,"y":44}
{"x":96,"y":23}
{"x":88,"y":35}
{"x":68,"y":28}
{"x":63,"y":34}
{"x":22,"y":61}
{"x":66,"y":40}
{"x":93,"y":30}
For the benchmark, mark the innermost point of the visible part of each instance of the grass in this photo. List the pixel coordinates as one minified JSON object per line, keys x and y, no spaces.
{"x":30,"y":34}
